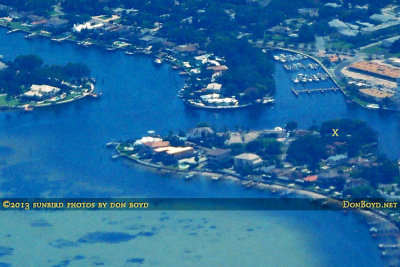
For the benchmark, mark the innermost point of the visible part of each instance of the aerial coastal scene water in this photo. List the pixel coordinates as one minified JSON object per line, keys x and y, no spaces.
{"x":145,"y":109}
{"x":76,"y":159}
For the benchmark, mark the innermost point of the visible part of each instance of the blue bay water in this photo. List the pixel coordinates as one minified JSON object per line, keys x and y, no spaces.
{"x":60,"y":152}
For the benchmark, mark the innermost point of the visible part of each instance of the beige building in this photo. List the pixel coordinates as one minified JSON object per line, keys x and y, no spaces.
{"x":176,"y":152}
{"x":247,"y":160}
{"x":41,"y":91}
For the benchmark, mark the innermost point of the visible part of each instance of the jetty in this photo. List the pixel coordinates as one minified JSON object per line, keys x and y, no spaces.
{"x":315,"y":90}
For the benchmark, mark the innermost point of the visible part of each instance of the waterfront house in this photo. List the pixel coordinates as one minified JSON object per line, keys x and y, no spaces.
{"x":38,"y":23}
{"x":310,"y":179}
{"x":150,"y":147}
{"x":147,"y":39}
{"x":55,"y":23}
{"x":214,"y":87}
{"x":90,"y":25}
{"x":175,"y":153}
{"x":352,"y":183}
{"x":185,"y":50}
{"x":218,"y":156}
{"x":33,"y":18}
{"x":337,"y":159}
{"x":247,"y":160}
{"x":41,"y":91}
{"x":218,"y":68}
{"x":199,"y":132}
{"x":268,"y":170}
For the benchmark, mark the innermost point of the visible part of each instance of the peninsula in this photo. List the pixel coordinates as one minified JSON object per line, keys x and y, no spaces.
{"x":340,"y":163}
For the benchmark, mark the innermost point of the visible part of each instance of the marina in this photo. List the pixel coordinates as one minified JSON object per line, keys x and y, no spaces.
{"x":307,"y":75}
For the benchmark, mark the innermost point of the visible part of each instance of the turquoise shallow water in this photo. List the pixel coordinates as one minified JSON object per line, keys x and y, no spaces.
{"x":60,"y":152}
{"x":194,"y":238}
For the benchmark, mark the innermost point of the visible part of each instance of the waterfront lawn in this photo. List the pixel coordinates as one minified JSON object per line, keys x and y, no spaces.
{"x":72,"y":95}
{"x":8,"y":103}
{"x":19,"y":26}
{"x":361,"y":102}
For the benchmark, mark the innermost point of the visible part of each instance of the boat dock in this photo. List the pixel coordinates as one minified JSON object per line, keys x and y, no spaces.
{"x":314,"y":90}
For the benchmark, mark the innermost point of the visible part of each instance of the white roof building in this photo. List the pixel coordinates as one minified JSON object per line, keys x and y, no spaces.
{"x":214,"y":87}
{"x":210,"y":96}
{"x":344,"y":28}
{"x":247,"y":160}
{"x":40,"y":91}
{"x":147,"y":139}
{"x":88,"y":25}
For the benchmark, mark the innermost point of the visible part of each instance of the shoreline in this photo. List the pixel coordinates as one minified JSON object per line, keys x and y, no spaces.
{"x":367,"y":215}
{"x":143,"y":53}
{"x":210,"y":108}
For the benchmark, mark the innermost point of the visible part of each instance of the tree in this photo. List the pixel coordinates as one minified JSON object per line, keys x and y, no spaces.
{"x":77,"y":70}
{"x":306,"y":34}
{"x":291,"y":125}
{"x":28,"y":62}
{"x":395,"y":47}
{"x":308,"y":150}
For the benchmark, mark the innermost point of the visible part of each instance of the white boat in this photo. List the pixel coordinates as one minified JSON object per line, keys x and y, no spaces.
{"x":215,"y":178}
{"x":13,"y":30}
{"x":267,"y":100}
{"x":158,"y":61}
{"x":30,"y":36}
{"x":189,"y":176}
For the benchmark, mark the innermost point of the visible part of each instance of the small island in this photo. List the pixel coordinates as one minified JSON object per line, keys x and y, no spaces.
{"x":26,"y":83}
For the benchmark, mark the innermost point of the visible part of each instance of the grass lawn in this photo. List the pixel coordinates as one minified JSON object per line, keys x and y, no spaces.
{"x":375,"y":50}
{"x":361,"y":102}
{"x":18,"y":25}
{"x":340,"y":45}
{"x":10,"y":103}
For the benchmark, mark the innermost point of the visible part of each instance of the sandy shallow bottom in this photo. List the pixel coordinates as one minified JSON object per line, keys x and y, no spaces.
{"x":176,"y":238}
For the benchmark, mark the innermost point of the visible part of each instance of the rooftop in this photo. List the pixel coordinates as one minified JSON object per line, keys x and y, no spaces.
{"x":217,"y":151}
{"x":375,"y":68}
{"x":44,"y":88}
{"x":248,"y":156}
{"x":311,"y":178}
{"x":375,"y":93}
{"x":170,"y":150}
{"x":156,"y":144}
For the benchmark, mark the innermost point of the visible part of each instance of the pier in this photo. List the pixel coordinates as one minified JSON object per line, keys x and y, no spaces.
{"x":314,"y":90}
